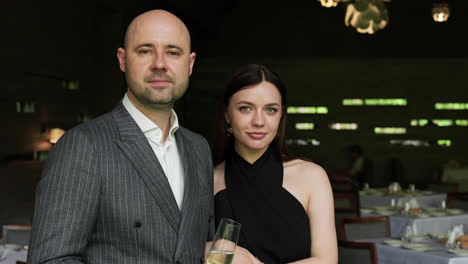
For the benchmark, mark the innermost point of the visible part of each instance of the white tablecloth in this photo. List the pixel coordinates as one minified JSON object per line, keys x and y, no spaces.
{"x":427,"y":225}
{"x":432,"y":200}
{"x":14,"y":255}
{"x":391,"y":255}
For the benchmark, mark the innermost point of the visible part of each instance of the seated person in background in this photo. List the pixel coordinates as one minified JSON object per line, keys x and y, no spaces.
{"x":353,"y":178}
{"x":362,"y":168}
{"x":357,"y":166}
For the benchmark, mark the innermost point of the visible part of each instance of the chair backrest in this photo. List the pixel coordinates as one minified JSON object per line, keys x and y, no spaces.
{"x":350,"y":252}
{"x":343,"y":186}
{"x":457,"y":200}
{"x":365,"y":227}
{"x":346,"y":201}
{"x":346,"y":205}
{"x":16,"y":234}
{"x":443,"y":187}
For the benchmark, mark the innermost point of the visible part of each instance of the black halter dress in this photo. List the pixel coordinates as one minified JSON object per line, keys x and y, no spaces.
{"x":274,"y":225}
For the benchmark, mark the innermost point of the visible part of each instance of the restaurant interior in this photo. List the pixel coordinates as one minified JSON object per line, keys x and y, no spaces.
{"x":389,"y":78}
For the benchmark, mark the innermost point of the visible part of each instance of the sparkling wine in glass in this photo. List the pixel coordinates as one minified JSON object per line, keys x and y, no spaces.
{"x":224,"y":242}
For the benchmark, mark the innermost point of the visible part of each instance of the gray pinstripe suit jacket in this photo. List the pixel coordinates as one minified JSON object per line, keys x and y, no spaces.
{"x":104,"y":198}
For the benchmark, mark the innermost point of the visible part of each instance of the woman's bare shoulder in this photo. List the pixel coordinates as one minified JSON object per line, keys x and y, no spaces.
{"x":219,"y":169}
{"x":305,"y":173}
{"x":219,"y":183}
{"x":304,"y":167}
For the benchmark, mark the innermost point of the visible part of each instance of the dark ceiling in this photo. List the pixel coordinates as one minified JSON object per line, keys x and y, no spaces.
{"x":71,"y":39}
{"x":302,"y":28}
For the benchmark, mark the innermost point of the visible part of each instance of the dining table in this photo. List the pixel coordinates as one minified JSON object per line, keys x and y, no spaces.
{"x":390,"y":251}
{"x":13,"y":255}
{"x":427,"y":220}
{"x":382,"y":197}
{"x":426,"y":225}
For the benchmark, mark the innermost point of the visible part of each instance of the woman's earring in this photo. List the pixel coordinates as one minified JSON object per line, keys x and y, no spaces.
{"x":228,"y":129}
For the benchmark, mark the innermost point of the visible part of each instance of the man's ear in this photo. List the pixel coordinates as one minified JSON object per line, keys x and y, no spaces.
{"x":192,"y":57}
{"x":121,"y":58}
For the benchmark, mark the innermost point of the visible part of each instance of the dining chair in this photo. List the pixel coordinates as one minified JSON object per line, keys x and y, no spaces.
{"x":346,"y":205}
{"x":357,"y":228}
{"x":343,"y":185}
{"x":442,"y":187}
{"x":457,"y":200}
{"x":16,"y":234}
{"x":350,"y":252}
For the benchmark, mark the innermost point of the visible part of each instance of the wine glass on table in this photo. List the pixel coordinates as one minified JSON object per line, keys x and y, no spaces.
{"x":3,"y":250}
{"x":224,"y":242}
{"x":407,"y":234}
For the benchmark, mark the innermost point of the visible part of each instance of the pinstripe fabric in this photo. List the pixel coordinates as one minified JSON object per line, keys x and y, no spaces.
{"x":104,"y":198}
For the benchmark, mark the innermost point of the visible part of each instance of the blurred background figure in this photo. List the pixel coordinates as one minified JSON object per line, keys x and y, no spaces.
{"x":361,"y":170}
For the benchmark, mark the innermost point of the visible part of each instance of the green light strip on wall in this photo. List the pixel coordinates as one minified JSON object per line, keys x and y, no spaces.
{"x":314,"y":142}
{"x":419,"y":122}
{"x":322,"y":110}
{"x":390,"y":130}
{"x":461,"y":122}
{"x":395,"y":101}
{"x":444,"y":142}
{"x":353,"y":102}
{"x":439,"y":122}
{"x":303,"y":142}
{"x":375,"y":101}
{"x":304,"y":126}
{"x":344,"y":126}
{"x":451,"y":106}
{"x":410,"y":142}
{"x":307,"y":110}
{"x":443,"y":122}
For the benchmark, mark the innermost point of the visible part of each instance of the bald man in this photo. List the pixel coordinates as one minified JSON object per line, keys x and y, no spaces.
{"x":131,"y":186}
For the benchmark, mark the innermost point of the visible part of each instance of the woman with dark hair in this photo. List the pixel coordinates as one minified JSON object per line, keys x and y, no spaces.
{"x":284,"y":204}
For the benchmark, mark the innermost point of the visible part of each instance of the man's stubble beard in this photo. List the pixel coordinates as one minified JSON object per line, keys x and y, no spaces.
{"x":150,"y":101}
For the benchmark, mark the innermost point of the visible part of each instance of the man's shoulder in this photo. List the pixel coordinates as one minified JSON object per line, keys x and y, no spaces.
{"x":101,"y":126}
{"x":198,"y":141}
{"x":189,"y":134}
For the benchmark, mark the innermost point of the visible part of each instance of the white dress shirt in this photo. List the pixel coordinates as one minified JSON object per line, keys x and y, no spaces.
{"x":166,"y":152}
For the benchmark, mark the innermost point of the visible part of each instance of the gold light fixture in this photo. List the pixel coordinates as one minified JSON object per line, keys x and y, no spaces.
{"x":367,"y":16}
{"x":440,"y":12}
{"x":329,"y":3}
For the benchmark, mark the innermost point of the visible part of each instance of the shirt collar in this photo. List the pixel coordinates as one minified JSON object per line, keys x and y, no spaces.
{"x":145,"y":124}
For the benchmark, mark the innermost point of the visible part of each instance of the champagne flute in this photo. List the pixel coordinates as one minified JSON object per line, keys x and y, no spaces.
{"x":224,"y":242}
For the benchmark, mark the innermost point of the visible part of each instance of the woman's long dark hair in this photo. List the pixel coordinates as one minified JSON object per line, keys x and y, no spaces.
{"x":248,"y":75}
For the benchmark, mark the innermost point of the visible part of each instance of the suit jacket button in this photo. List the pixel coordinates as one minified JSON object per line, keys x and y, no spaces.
{"x":138,"y":224}
{"x":210,"y":218}
{"x":202,"y":260}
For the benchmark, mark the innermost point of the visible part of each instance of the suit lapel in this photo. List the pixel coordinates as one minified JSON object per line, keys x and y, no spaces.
{"x":136,"y":147}
{"x":192,"y":188}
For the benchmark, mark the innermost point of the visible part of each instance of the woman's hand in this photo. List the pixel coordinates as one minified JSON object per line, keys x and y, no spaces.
{"x":243,"y":256}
